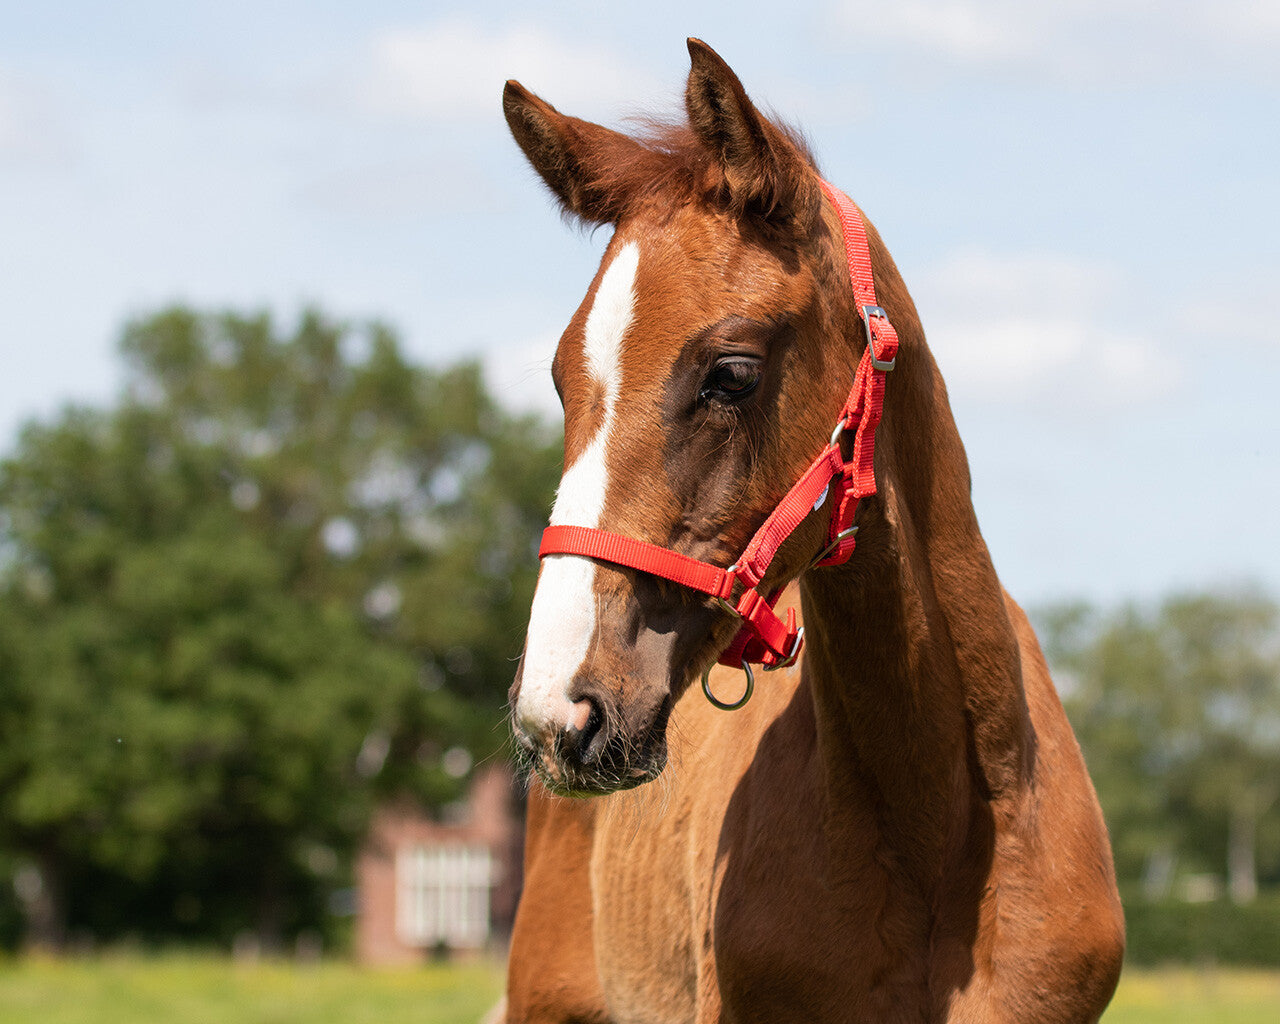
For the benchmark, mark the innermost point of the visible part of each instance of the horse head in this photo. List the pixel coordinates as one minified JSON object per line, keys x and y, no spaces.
{"x":699,"y":377}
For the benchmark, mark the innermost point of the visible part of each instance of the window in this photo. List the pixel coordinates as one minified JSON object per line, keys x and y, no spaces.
{"x":442,"y":895}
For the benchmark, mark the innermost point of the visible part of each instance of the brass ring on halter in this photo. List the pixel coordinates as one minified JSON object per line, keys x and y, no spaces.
{"x":746,"y":696}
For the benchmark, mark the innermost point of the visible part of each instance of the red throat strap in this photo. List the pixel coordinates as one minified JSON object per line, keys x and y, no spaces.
{"x":830,"y":479}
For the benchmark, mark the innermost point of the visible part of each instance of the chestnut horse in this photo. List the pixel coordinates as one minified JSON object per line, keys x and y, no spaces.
{"x":899,"y":826}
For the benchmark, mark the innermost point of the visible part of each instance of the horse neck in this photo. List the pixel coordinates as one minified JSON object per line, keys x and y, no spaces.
{"x":912,"y":659}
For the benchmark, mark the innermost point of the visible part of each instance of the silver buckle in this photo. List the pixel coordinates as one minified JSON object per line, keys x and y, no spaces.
{"x":732,"y":610}
{"x":790,"y":658}
{"x":841,"y":427}
{"x":883,"y":365}
{"x":842,"y":535}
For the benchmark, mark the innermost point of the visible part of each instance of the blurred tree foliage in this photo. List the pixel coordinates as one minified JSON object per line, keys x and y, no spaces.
{"x":286,"y":575}
{"x":1177,"y":709}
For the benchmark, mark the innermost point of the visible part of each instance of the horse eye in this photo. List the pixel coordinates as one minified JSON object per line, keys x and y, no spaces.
{"x":731,"y":379}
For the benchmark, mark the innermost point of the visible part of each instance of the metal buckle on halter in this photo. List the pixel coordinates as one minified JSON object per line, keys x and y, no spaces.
{"x":842,"y":536}
{"x":841,"y":427}
{"x":883,"y":365}
{"x":790,"y":658}
{"x":731,"y":609}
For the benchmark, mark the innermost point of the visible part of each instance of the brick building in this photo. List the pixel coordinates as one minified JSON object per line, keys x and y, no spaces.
{"x":425,"y":885}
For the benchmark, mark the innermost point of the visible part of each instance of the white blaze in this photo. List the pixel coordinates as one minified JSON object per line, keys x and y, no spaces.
{"x":563,"y":618}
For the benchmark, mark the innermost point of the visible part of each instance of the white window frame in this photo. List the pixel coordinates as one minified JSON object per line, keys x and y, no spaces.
{"x":443,"y":894}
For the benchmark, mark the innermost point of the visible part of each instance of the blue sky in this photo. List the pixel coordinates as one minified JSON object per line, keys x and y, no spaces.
{"x":1083,"y":198}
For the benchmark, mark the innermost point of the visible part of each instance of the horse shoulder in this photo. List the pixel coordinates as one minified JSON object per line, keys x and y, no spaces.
{"x":1057,"y":937}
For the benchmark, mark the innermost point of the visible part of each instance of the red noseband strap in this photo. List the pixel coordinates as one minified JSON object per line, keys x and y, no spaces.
{"x":830,"y":479}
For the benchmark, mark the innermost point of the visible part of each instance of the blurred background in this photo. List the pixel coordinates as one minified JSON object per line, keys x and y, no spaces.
{"x":278,"y":298}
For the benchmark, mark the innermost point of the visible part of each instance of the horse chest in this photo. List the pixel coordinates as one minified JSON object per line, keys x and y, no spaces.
{"x":808,"y":929}
{"x":747,"y":906}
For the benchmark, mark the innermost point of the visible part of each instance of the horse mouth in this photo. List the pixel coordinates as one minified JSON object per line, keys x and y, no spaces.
{"x":620,"y":765}
{"x":562,"y":781}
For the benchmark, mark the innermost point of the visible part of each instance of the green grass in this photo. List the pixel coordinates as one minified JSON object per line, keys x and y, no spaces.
{"x":208,"y":990}
{"x":1208,"y":996}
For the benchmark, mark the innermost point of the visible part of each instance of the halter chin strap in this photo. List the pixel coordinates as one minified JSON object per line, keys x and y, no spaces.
{"x":765,"y":638}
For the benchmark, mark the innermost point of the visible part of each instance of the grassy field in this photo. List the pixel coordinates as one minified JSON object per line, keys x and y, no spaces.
{"x":1196,"y":997}
{"x":206,"y":990}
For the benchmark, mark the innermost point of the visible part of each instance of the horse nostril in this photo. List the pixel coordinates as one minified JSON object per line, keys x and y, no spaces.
{"x":584,"y":737}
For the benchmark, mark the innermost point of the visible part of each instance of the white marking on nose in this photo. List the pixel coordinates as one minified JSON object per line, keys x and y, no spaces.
{"x":563,"y":619}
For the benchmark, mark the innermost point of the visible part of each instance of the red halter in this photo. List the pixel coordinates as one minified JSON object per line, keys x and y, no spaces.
{"x":764,"y":638}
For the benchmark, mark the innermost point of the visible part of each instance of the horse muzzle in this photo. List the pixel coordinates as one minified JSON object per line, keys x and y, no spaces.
{"x":592,"y":750}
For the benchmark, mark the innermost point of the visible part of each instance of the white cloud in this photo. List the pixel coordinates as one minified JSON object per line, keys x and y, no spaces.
{"x":1119,"y":40}
{"x":1030,"y":283}
{"x":1035,"y":329}
{"x":33,"y":128}
{"x":958,"y":28}
{"x":455,"y":70}
{"x":1014,"y":360}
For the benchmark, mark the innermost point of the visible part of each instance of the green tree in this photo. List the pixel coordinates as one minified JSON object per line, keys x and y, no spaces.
{"x":1224,"y":686}
{"x":1178,"y":711}
{"x":284,"y":577}
{"x":1110,"y":672}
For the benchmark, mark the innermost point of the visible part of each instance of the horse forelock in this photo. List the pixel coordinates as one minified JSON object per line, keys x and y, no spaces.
{"x":664,"y":164}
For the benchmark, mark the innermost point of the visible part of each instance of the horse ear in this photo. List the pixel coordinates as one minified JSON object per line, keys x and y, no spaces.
{"x":571,"y":155}
{"x":766,"y":171}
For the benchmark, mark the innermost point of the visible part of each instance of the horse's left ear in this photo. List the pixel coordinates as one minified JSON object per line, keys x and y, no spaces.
{"x":765,"y":171}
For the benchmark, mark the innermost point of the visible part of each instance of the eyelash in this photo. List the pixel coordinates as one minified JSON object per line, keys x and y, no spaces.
{"x":730,"y":380}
